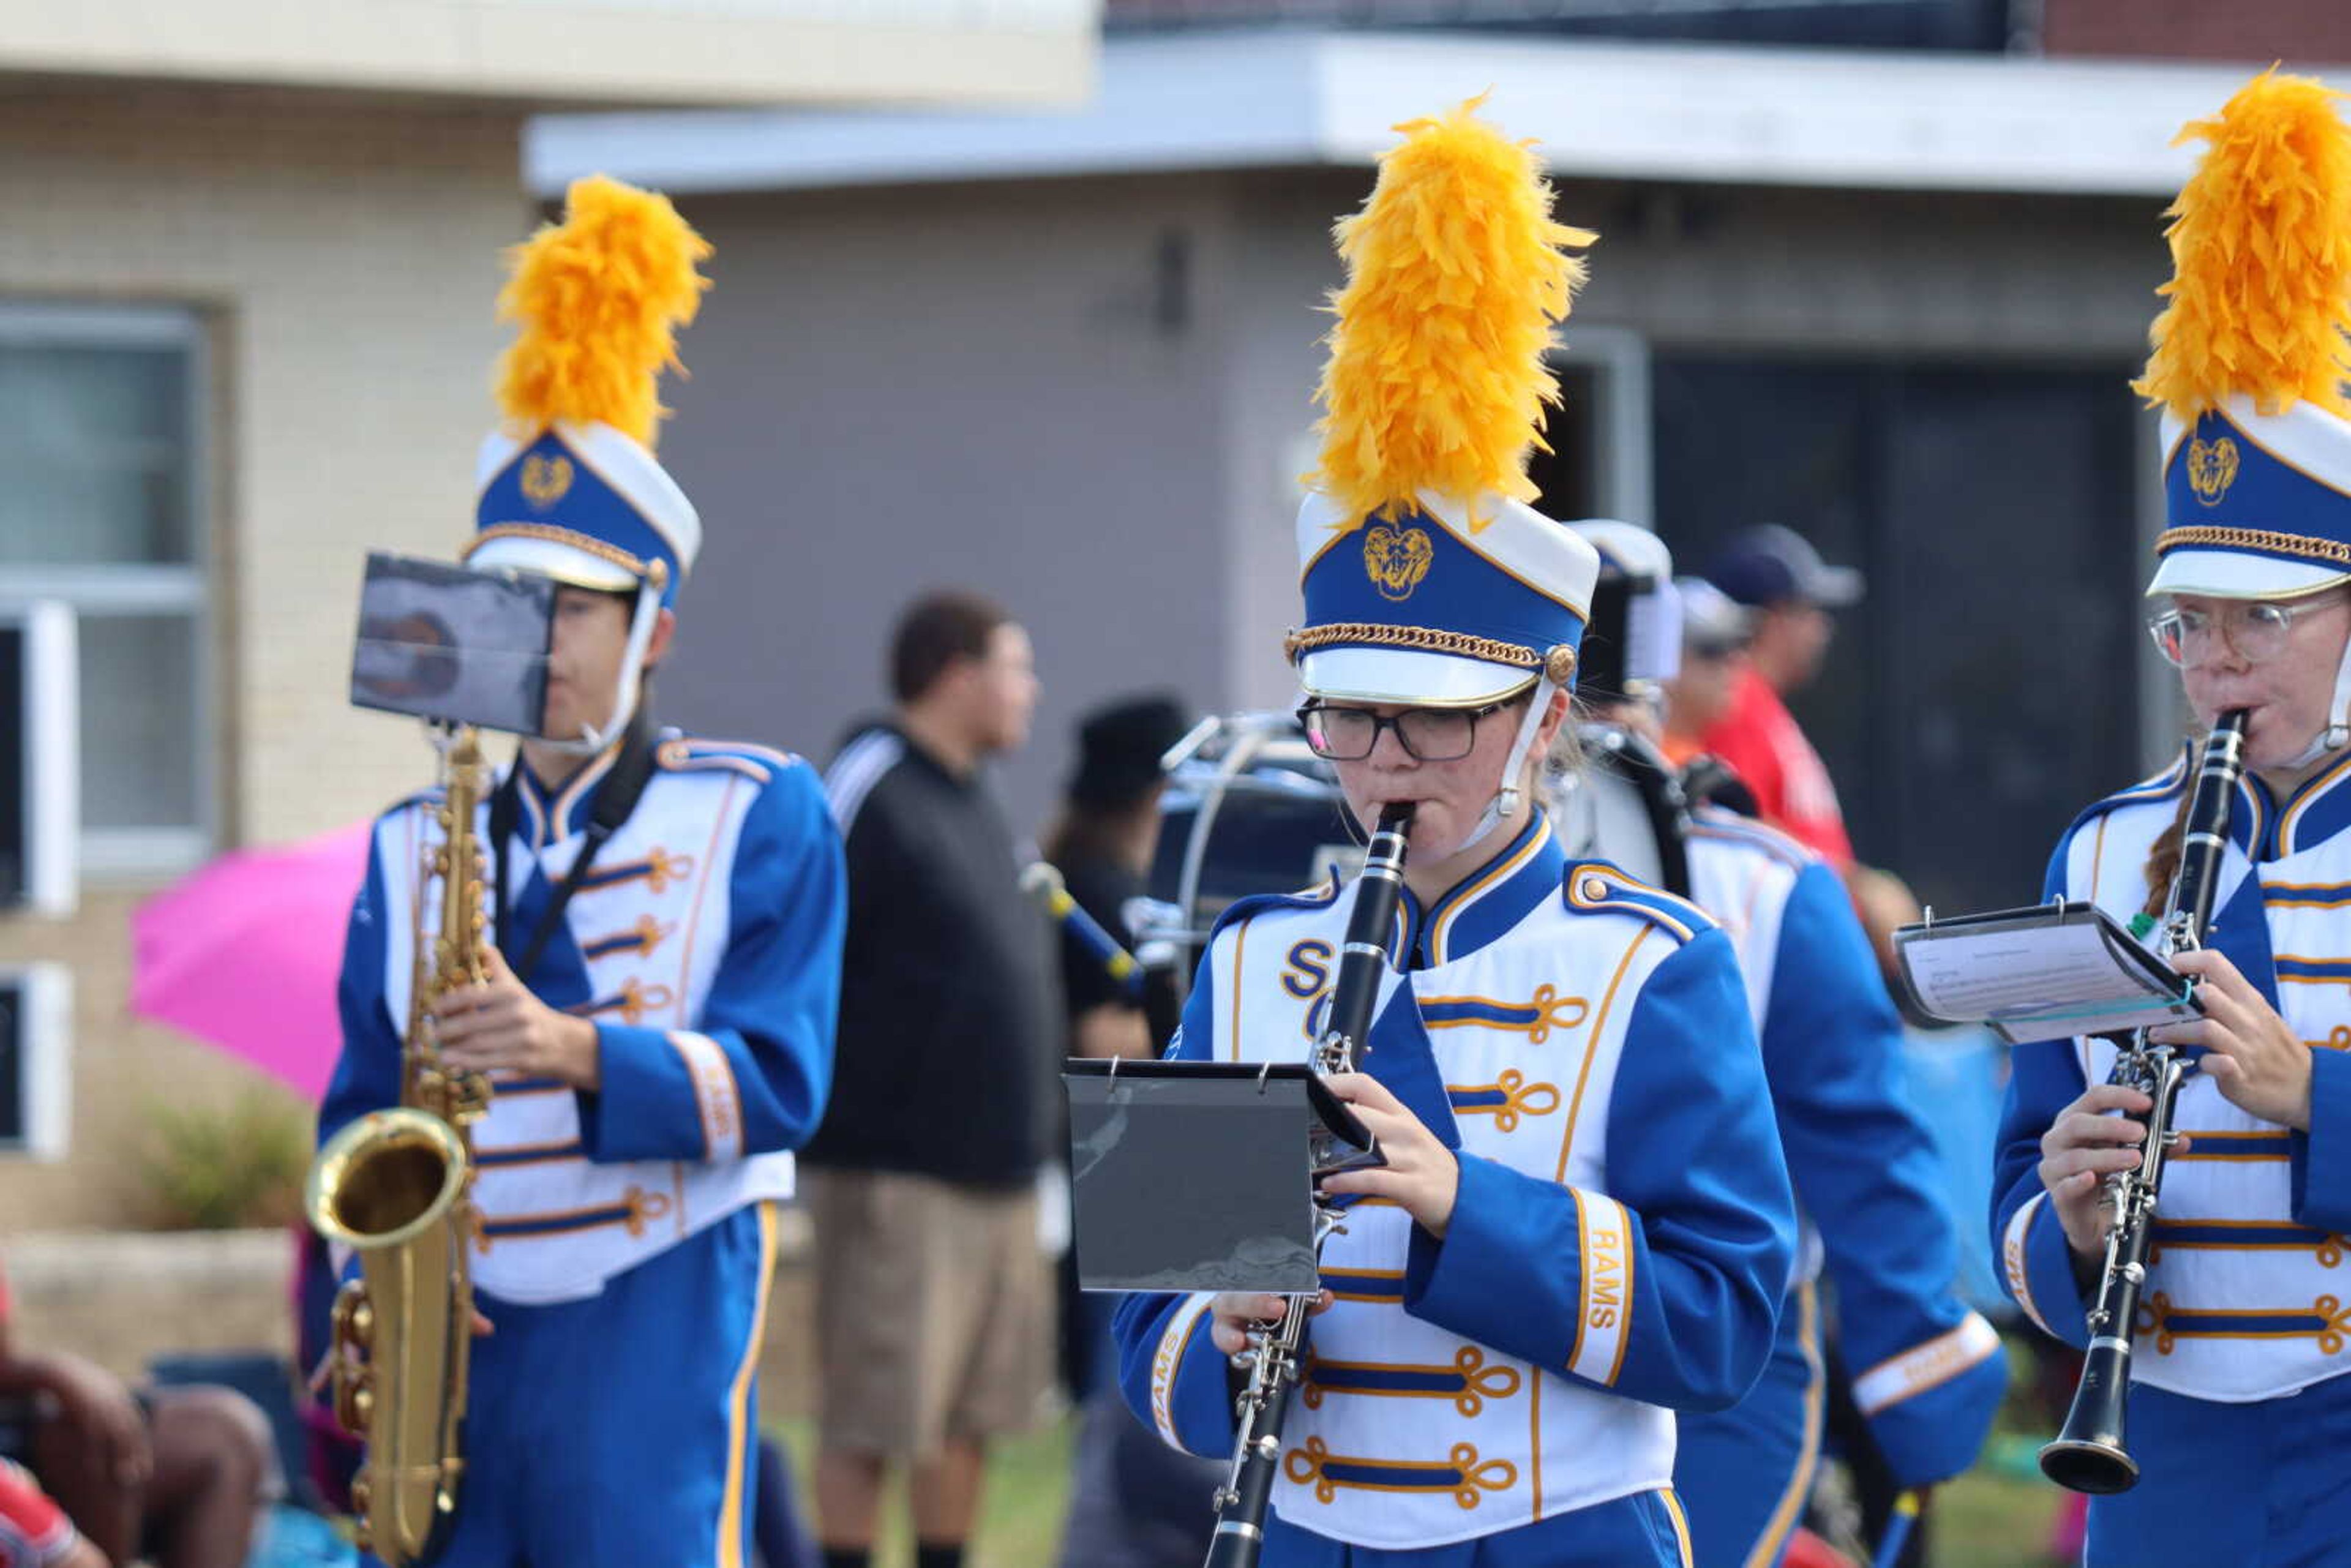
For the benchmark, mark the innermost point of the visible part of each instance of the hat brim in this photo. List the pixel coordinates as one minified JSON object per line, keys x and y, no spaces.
{"x":548,"y":558}
{"x":2234,"y":574}
{"x":1835,"y":587}
{"x":1407,"y":676}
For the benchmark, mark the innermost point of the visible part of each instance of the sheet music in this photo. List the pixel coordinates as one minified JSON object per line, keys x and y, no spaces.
{"x":2037,"y":975}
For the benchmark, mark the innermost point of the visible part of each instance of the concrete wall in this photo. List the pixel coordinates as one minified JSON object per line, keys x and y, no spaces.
{"x":345,"y":257}
{"x":1003,"y":388}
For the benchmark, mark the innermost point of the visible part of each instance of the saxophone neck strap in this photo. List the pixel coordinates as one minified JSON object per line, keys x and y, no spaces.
{"x":616,"y":798}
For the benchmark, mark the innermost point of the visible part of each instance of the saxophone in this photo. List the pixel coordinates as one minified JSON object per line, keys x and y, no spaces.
{"x":395,"y":1187}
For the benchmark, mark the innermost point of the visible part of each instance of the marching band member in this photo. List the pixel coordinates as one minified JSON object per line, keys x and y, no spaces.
{"x":2238,"y":1412}
{"x":1583,"y":1222}
{"x":1929,"y":1371}
{"x":658,"y":1019}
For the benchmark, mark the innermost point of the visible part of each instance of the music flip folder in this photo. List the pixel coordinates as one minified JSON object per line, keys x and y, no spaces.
{"x":2041,"y":972}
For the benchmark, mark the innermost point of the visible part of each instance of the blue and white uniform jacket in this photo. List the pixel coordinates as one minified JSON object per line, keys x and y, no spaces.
{"x":1927,"y":1372}
{"x":2248,"y":1294}
{"x":705,"y":942}
{"x":1621,"y":1234}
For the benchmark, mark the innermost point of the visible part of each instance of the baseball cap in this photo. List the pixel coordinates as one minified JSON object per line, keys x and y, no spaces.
{"x":1770,"y":564}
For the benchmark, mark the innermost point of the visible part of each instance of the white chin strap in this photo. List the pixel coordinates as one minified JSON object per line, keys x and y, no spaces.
{"x":1505,"y":803}
{"x":2337,"y":734}
{"x":624,"y":695}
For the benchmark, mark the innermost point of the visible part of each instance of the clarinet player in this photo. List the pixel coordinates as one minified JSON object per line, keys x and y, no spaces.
{"x":1584,"y":1220}
{"x":2243,"y":1329}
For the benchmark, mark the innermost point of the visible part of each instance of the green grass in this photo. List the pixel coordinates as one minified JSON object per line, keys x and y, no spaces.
{"x":1988,"y":1518}
{"x":1021,"y":1505}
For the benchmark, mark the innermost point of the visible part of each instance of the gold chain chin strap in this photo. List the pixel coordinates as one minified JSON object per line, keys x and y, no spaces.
{"x":1558,"y":663}
{"x":2254,"y":539}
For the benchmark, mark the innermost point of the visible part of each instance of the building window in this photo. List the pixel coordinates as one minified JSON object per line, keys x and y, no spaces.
{"x":101,"y":437}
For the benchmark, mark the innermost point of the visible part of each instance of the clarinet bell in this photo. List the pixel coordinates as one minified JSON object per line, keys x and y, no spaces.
{"x":2099,"y":1470}
{"x":2088,"y":1455}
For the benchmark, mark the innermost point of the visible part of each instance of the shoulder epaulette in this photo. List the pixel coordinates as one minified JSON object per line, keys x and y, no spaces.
{"x":687,"y":753}
{"x":1715,"y":822}
{"x":1596,"y":887}
{"x":1319,"y":896}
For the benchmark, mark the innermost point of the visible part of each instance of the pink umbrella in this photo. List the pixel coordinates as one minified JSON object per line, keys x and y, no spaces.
{"x":244,"y":954}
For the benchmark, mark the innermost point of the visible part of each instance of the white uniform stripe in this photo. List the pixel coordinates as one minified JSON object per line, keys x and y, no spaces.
{"x":2013,"y":1260}
{"x":1168,"y":1361}
{"x":715,"y":1095}
{"x":856,"y":770}
{"x":1607,"y":1294}
{"x":1923,"y":1367}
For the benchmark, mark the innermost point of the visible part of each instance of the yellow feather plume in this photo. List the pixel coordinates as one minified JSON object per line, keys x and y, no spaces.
{"x":599,"y":297}
{"x":1437,"y":378}
{"x":2260,"y":252}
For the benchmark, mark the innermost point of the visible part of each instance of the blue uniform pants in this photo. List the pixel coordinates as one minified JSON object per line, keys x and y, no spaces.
{"x":2266,"y":1485}
{"x":1643,"y":1530}
{"x":620,"y":1430}
{"x":1745,"y":1472}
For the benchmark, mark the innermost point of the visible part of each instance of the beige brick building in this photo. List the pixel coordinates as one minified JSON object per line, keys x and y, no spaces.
{"x":246,"y":276}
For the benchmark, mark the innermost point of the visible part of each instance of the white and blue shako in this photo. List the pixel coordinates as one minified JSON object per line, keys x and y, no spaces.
{"x":587,"y":505}
{"x":2258,"y":506}
{"x":1445,"y":606}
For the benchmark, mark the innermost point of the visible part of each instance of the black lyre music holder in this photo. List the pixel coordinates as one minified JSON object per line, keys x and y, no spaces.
{"x":1199,"y":1175}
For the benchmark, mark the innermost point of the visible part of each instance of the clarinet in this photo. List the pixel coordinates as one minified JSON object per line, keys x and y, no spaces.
{"x":1273,"y":1359}
{"x":2088,"y":1455}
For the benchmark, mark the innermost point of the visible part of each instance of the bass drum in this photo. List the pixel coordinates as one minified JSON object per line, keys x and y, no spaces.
{"x":1247,"y":810}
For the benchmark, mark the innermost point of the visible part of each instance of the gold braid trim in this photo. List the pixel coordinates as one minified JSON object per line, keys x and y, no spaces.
{"x":2254,"y":539}
{"x":1559,"y":662}
{"x":657,"y":570}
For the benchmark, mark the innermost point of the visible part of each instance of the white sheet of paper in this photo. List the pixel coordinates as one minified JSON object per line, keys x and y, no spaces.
{"x":2004,"y":977}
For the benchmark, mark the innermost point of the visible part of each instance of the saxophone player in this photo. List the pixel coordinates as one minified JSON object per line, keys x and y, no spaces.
{"x":655,"y":1011}
{"x":2237,"y":1353}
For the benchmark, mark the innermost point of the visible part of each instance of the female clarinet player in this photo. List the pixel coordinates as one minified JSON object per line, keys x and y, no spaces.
{"x":1583,"y":1221}
{"x":2237,"y":1414}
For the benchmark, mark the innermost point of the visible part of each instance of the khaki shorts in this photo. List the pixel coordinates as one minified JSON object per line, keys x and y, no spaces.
{"x":935,"y":1312}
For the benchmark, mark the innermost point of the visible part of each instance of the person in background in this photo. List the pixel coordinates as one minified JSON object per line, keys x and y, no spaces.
{"x":1878,"y":1243}
{"x":34,"y":1531}
{"x":1781,"y":580}
{"x":1133,"y":1501}
{"x":1101,"y":844}
{"x":179,"y":1475}
{"x":1716,"y":630}
{"x":934,"y":1305}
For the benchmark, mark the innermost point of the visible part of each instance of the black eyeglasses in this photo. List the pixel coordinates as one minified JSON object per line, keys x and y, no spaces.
{"x":1426,"y":733}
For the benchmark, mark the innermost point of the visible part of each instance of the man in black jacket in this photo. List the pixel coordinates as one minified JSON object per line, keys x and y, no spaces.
{"x":934,"y":1305}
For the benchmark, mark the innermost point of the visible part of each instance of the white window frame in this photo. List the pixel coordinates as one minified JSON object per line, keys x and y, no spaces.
{"x":45,"y":1035}
{"x":1622,"y":423}
{"x":121,"y":855}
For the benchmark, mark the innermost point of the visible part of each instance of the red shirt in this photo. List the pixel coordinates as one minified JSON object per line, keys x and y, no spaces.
{"x":34,"y":1532}
{"x":1759,"y":737}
